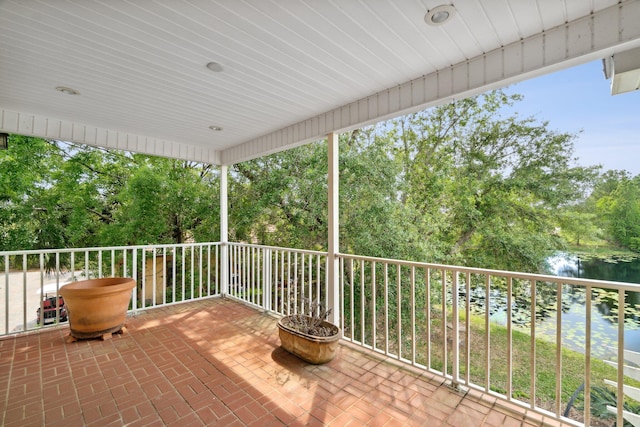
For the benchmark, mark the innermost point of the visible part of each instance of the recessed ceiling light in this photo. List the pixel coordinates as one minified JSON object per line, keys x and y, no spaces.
{"x":67,"y":90}
{"x":215,"y":128}
{"x":440,"y":14}
{"x":215,"y":67}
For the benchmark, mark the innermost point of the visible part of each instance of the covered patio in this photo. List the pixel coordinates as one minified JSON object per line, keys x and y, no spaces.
{"x":222,"y":82}
{"x":218,"y":362}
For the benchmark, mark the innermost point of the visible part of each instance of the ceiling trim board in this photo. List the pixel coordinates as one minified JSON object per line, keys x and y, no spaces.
{"x":579,"y":41}
{"x":48,"y":128}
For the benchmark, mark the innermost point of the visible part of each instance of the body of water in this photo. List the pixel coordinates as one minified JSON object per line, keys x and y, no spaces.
{"x":616,"y":270}
{"x":604,"y":320}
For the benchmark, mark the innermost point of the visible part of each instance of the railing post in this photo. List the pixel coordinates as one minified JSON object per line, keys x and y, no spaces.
{"x":620,"y":391}
{"x":266,"y":279}
{"x":143,"y":278}
{"x":24,"y":292}
{"x":455,"y":332}
{"x":134,"y":271}
{"x":6,"y":294}
{"x":42,"y":294}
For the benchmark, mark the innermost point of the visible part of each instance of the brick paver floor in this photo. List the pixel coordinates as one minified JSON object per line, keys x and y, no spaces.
{"x":219,"y":362}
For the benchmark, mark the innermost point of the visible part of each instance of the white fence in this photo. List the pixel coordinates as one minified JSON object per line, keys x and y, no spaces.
{"x":477,"y":328}
{"x":489,"y":330}
{"x":280,"y":280}
{"x":165,"y":274}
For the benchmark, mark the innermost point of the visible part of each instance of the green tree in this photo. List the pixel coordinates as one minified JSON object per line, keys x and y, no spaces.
{"x":165,"y":201}
{"x":56,"y":194}
{"x":491,"y":187}
{"x":578,"y":226}
{"x":462,"y":183}
{"x":616,"y":209}
{"x":624,"y":213}
{"x":26,"y":175}
{"x":375,"y":218}
{"x":281,"y":199}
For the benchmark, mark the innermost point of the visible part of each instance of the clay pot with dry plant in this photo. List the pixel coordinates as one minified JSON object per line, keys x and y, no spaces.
{"x":310,"y":336}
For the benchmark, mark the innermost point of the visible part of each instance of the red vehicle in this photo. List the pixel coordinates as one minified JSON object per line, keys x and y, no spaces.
{"x":49,"y":307}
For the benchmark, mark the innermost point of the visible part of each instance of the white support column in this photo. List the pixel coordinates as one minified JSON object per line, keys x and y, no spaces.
{"x":333,"y":297}
{"x":224,"y":231}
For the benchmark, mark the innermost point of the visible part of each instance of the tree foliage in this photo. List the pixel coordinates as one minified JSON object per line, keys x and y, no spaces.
{"x":490,"y":187}
{"x":462,"y":183}
{"x":56,"y":194}
{"x":25,"y":173}
{"x":616,"y":201}
{"x":458,"y":183}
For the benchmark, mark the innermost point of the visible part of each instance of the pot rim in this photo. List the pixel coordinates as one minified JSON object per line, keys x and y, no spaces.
{"x":106,"y":285}
{"x":335,"y":337}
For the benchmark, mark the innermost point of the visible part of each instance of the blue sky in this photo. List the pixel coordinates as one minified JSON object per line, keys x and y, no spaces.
{"x":579,"y":99}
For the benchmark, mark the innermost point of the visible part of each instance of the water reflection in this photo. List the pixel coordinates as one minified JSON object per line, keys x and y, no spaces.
{"x":614,"y":269}
{"x":604,"y":314}
{"x":565,"y":265}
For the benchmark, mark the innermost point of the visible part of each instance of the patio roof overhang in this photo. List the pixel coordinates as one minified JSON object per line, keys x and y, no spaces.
{"x":284,"y":73}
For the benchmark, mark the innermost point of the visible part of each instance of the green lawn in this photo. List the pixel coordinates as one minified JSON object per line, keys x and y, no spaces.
{"x":602,"y":250}
{"x":546,"y":361}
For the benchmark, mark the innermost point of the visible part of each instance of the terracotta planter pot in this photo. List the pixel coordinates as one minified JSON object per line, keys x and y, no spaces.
{"x":98,"y":306}
{"x":310,"y":348}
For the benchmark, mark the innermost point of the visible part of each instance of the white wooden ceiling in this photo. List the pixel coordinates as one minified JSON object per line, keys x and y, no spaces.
{"x":293,"y":70}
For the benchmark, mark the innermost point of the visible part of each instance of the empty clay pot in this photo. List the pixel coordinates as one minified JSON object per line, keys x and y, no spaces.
{"x":97,"y":306}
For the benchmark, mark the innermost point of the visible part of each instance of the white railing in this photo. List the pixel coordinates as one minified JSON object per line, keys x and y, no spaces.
{"x":275,"y":279}
{"x":466,"y":325}
{"x":631,"y":370}
{"x":165,"y":274}
{"x":442,"y":319}
{"x":280,"y":280}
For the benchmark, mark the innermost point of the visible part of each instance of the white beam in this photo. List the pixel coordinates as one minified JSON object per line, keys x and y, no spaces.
{"x":626,"y":71}
{"x":224,"y":230}
{"x":590,"y":38}
{"x":333,"y":297}
{"x":61,"y":130}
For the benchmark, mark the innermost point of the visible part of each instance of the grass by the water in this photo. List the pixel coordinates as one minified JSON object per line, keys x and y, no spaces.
{"x":565,"y":369}
{"x":604,"y":251}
